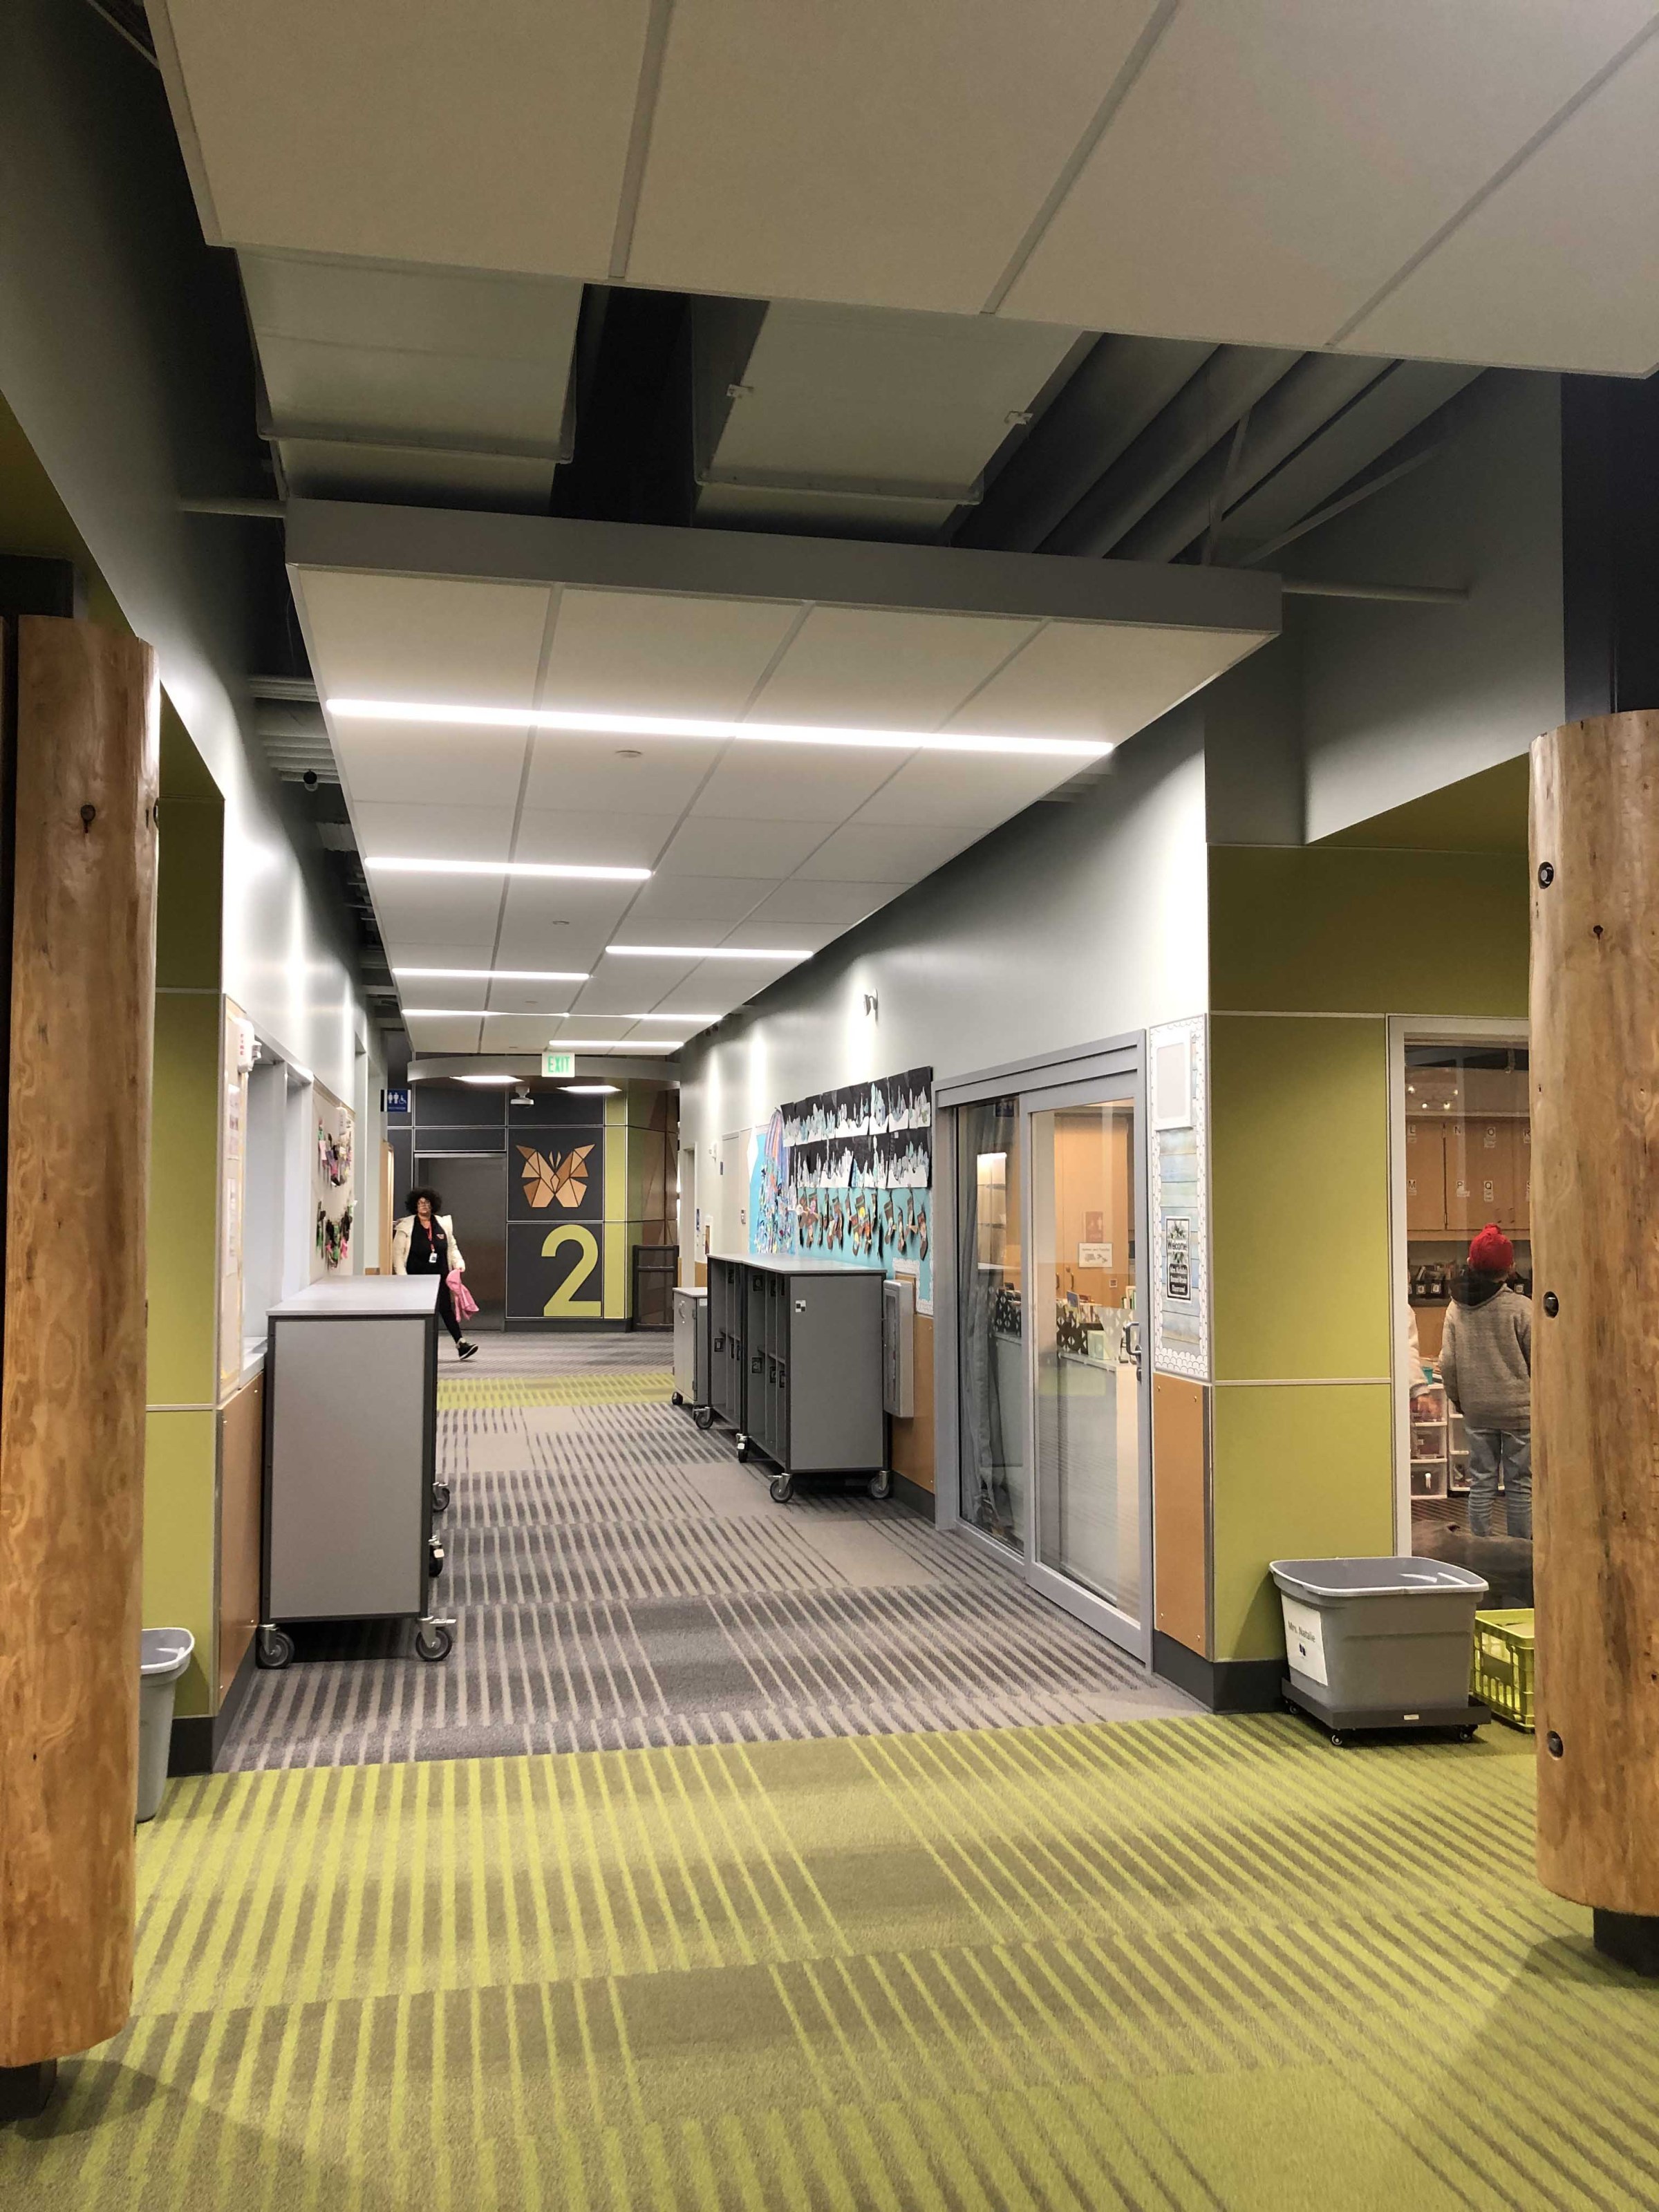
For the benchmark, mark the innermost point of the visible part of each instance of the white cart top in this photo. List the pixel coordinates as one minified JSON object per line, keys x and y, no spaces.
{"x":340,"y":1298}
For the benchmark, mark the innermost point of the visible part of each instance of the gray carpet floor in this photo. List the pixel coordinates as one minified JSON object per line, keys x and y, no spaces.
{"x":619,"y":1580}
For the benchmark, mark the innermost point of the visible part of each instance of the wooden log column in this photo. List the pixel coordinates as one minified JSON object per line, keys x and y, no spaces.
{"x":1595,"y":1320}
{"x":78,"y":835}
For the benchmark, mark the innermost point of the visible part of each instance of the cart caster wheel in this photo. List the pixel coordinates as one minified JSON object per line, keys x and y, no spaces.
{"x":434,"y":1643}
{"x":1466,"y":1735}
{"x":276,"y":1648}
{"x":675,"y":1398}
{"x":704,"y":1417}
{"x":1338,"y":1738}
{"x":440,"y":1497}
{"x":743,"y":1450}
{"x":435,"y":1558}
{"x":782,"y":1489}
{"x":881,"y":1484}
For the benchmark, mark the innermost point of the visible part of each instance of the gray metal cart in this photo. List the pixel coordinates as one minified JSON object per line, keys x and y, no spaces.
{"x":795,"y":1353}
{"x":692,"y":1354}
{"x":351,"y":1393}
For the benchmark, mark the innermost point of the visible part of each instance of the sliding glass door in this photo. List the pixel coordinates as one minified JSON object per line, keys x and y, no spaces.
{"x":1051,"y":1416}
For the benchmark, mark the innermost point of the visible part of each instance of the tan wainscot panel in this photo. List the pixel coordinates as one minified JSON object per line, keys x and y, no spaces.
{"x":1180,"y":1520}
{"x":241,"y":1485}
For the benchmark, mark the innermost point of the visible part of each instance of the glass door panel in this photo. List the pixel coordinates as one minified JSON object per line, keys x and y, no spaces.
{"x":1085,"y":1355}
{"x":990,"y":1320}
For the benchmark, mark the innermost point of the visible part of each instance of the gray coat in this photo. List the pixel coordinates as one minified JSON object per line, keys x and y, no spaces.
{"x":1486,"y":1356}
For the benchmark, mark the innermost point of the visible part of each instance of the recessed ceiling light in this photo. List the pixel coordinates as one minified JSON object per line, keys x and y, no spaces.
{"x":410,"y":867}
{"x":497,"y":974}
{"x":502,"y":1079}
{"x":676,"y":725}
{"x":704,"y":952}
{"x":592,"y":1089}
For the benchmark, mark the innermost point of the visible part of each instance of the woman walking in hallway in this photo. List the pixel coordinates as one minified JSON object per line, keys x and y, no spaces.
{"x":422,"y":1243}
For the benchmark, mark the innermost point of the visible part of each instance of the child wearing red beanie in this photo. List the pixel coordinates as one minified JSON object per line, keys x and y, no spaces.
{"x":1486,"y":1363}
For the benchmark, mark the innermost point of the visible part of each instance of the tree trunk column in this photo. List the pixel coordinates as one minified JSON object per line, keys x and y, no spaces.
{"x":1595,"y":1320}
{"x":79,"y":721}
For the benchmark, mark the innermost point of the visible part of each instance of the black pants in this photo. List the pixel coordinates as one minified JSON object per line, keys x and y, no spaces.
{"x":447,"y":1312}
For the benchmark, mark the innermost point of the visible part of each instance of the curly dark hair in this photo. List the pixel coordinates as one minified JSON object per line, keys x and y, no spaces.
{"x":423,"y":1191}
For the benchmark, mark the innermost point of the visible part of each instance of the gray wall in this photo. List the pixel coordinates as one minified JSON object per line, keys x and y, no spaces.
{"x":1398,"y":701}
{"x":112,"y":321}
{"x":1078,"y":921}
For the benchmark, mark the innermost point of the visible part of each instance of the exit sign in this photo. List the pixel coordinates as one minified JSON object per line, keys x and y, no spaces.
{"x":558,"y":1063}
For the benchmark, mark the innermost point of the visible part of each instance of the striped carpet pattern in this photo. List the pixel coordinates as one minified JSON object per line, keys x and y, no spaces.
{"x":1172,"y":1967}
{"x":619,"y":1580}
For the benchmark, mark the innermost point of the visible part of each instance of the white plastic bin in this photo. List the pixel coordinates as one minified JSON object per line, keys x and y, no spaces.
{"x":1380,"y":1643}
{"x":166,"y":1654}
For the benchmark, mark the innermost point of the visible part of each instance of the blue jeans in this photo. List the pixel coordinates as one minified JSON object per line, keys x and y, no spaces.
{"x":1488,"y":1450}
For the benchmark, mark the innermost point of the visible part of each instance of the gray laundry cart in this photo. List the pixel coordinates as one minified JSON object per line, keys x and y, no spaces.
{"x":1380,"y":1644}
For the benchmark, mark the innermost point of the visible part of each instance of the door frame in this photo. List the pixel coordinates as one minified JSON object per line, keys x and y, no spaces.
{"x":1113,"y":1068}
{"x":1404,"y":1030}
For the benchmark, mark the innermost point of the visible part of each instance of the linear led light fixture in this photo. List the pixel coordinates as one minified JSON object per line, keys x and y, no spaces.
{"x":670,"y":1017}
{"x":482,"y":1014}
{"x":413,"y":867}
{"x":683,"y":725}
{"x":490,"y":1079}
{"x":497,"y":974}
{"x":704,"y":952}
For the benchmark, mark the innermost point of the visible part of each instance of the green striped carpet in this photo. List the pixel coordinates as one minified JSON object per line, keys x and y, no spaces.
{"x":644,"y":1387}
{"x":1155,"y":1965}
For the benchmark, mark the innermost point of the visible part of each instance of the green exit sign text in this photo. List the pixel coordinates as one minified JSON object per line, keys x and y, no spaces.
{"x":558,"y":1063}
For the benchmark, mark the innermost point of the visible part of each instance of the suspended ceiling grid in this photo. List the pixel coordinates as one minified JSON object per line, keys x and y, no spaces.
{"x":779,"y":846}
{"x":1467,"y":183}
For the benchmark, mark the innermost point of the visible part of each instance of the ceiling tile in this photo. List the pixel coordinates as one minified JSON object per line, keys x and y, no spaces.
{"x":543,"y":999}
{"x":404,"y":950}
{"x":450,"y":992}
{"x":450,"y":833}
{"x":1277,"y":160}
{"x":884,"y":668}
{"x":458,"y":911}
{"x":390,"y":763}
{"x":719,"y":900}
{"x":785,"y":783}
{"x":424,"y":638}
{"x":1560,"y":265}
{"x":660,"y":652}
{"x":709,"y":844}
{"x":969,"y":789}
{"x":490,"y":136}
{"x":609,"y":841}
{"x":821,"y":905}
{"x":866,"y":152}
{"x":1088,"y":679}
{"x":446,"y":1036}
{"x":561,"y":906}
{"x":618,"y":775}
{"x":873,"y":853}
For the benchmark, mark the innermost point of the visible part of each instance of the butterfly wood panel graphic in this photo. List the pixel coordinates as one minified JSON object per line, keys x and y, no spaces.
{"x":562,"y":1180}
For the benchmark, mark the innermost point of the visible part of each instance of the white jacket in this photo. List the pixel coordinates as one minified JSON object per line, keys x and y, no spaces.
{"x":404,"y":1228}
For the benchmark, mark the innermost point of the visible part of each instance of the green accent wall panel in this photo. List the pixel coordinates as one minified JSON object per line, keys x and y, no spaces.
{"x":184,"y":1176}
{"x":180,"y":1523}
{"x":1323,"y":929}
{"x":1299,"y":1198}
{"x":189,"y":894}
{"x":1304,"y":1471}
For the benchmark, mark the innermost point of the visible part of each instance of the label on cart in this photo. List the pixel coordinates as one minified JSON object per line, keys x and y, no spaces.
{"x":1304,"y":1642}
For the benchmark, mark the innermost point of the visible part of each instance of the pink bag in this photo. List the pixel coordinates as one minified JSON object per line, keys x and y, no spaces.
{"x":465,"y":1303}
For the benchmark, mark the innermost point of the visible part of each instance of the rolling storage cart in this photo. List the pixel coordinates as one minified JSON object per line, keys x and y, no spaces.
{"x":1380,"y":1644}
{"x":795,"y":1351}
{"x":691,"y":1385}
{"x":351,"y":1398}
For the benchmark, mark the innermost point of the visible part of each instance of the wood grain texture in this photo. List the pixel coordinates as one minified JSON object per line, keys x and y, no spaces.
{"x":85,"y":736}
{"x":1595,"y":1364}
{"x":241,"y":1521}
{"x":1181,"y":1531}
{"x":913,"y":1440}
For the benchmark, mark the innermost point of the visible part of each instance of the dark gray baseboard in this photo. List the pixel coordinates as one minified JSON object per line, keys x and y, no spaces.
{"x":912,"y":1496}
{"x":198,"y":1738}
{"x":1227,"y":1686}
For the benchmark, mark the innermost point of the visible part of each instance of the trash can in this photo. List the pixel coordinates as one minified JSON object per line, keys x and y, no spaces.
{"x":1380,"y":1644}
{"x":164,"y":1657}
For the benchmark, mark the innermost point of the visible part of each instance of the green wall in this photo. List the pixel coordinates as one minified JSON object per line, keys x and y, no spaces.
{"x":180,"y":1586}
{"x":1311,"y":950}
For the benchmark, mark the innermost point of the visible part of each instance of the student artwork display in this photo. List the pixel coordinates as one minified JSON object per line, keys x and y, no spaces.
{"x":1180,"y":1205}
{"x":333,"y":1186}
{"x":847,"y":1174}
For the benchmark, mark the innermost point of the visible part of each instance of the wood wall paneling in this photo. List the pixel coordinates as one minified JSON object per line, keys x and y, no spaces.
{"x":84,"y":741}
{"x":242,"y":1488}
{"x":914,"y":1450}
{"x":1596,"y":1359}
{"x":1181,"y":1519}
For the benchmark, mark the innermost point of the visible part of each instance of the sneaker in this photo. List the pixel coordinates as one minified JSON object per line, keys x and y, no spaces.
{"x":466,"y":1351}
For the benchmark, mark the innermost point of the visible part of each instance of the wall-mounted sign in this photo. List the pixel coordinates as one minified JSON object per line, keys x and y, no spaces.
{"x":1094,"y":1255}
{"x":1179,"y":1161}
{"x":558,"y":1064}
{"x":1177,"y":1256}
{"x":396,"y":1101}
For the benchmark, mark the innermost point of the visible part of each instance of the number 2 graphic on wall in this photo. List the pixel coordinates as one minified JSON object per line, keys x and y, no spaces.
{"x":564,"y":1299}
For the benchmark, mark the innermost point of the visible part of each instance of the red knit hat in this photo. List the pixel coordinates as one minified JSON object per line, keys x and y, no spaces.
{"x":1490,"y":1253}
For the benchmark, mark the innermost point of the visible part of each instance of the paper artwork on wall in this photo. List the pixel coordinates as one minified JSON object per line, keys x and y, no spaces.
{"x":333,"y":1183}
{"x":1180,"y":1200}
{"x":847,"y":1174}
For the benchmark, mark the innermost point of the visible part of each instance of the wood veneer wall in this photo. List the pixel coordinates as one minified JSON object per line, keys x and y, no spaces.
{"x":81,"y":742}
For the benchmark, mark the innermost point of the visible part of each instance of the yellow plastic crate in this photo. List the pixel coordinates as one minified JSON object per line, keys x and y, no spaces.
{"x":1502,"y":1673}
